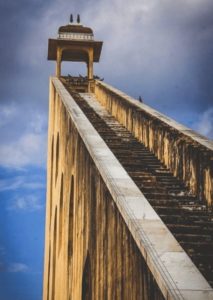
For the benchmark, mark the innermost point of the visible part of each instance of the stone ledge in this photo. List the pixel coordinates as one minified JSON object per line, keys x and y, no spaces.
{"x":183,"y":129}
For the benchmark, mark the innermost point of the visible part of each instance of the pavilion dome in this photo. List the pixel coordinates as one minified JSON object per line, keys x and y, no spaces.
{"x":75,"y":28}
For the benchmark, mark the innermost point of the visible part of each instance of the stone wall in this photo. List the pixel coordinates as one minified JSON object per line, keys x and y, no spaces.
{"x":89,"y":250}
{"x":188,"y":155}
{"x":103,"y":239}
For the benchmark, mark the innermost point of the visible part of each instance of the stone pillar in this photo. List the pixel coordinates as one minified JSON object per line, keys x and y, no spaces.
{"x":90,"y":64}
{"x":58,"y":62}
{"x":90,"y":70}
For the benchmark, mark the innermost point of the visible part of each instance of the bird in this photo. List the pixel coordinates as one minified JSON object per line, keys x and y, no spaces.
{"x":140,"y":99}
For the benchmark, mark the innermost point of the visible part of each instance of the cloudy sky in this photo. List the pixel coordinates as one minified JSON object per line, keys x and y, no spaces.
{"x":161,"y":50}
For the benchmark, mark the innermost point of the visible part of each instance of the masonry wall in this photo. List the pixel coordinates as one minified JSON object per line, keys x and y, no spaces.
{"x":188,"y":155}
{"x":89,"y":251}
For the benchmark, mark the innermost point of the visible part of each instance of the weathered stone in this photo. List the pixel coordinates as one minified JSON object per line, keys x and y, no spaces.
{"x":187,"y":154}
{"x":103,"y":238}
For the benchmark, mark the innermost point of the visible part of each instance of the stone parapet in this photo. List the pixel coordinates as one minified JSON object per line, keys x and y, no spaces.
{"x":186,"y":153}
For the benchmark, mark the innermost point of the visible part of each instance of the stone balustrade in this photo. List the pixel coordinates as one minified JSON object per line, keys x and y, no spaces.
{"x":187,"y":154}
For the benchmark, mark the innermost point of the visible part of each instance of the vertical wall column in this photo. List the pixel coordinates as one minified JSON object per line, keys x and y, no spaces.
{"x":58,"y":62}
{"x":90,"y":64}
{"x":90,"y":69}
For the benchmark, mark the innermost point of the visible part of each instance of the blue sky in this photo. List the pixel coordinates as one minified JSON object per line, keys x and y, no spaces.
{"x":161,"y":50}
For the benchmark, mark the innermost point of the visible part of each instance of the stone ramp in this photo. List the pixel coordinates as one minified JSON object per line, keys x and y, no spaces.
{"x":188,"y":219}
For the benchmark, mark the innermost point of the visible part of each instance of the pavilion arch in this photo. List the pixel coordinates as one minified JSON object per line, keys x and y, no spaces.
{"x":85,"y":54}
{"x":75,"y":68}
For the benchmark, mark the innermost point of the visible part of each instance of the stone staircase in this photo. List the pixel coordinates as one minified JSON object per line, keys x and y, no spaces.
{"x":189,"y":220}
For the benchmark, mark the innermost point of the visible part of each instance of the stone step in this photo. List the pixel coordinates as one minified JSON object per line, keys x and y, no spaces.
{"x":186,"y":217}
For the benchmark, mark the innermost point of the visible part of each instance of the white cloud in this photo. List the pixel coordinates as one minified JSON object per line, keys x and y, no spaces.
{"x":38,"y":123}
{"x":11,"y":184}
{"x":152,"y":44}
{"x":33,"y":185}
{"x":17,"y":268}
{"x":155,"y":45}
{"x":20,"y":182}
{"x":7,"y":113}
{"x":27,"y":203}
{"x":14,"y":267}
{"x":29,"y":149}
{"x":23,"y":141}
{"x":204,"y":124}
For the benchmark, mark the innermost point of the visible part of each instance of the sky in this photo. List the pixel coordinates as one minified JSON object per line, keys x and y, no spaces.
{"x":161,"y":50}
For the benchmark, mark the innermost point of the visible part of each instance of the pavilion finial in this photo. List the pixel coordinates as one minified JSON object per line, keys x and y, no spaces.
{"x":71,"y":18}
{"x":78,"y":19}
